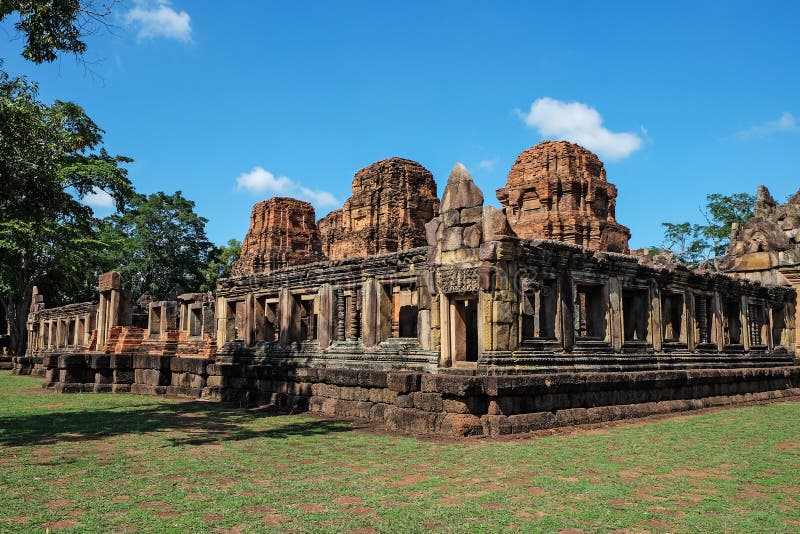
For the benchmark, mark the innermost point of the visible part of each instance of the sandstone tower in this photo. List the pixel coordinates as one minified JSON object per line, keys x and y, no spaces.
{"x":282,"y":232}
{"x":391,"y":202}
{"x":558,"y":190}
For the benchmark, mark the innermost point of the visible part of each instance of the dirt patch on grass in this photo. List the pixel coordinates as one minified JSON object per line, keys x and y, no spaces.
{"x":58,"y":503}
{"x":310,"y":508}
{"x":261,"y":510}
{"x":789,"y":446}
{"x":409,"y":480}
{"x":347,"y":501}
{"x":60,"y":525}
{"x":660,"y":525}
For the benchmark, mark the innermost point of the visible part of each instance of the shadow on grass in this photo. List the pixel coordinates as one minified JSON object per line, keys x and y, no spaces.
{"x":204,"y":422}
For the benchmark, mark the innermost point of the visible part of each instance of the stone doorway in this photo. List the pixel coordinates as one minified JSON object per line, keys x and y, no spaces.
{"x":464,"y":328}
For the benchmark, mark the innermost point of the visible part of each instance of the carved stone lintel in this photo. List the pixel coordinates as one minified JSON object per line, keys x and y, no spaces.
{"x":459,"y":280}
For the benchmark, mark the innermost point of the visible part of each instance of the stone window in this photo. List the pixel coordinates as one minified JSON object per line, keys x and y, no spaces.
{"x":704,"y":319}
{"x":732,"y":321}
{"x":590,"y":312}
{"x":154,"y":324}
{"x":195,"y":321}
{"x":538,"y":310}
{"x":779,"y":336}
{"x":81,"y":332}
{"x":636,"y":314}
{"x":308,"y":319}
{"x":672,"y":317}
{"x":758,"y":324}
{"x":272,"y":327}
{"x":71,"y":327}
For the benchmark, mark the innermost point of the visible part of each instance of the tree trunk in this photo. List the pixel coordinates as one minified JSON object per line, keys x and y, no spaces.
{"x":17,"y":315}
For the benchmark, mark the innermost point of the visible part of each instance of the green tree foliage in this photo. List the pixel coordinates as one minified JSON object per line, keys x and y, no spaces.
{"x":162,"y":244}
{"x":53,"y":26}
{"x":693,"y":243}
{"x":50,"y":156}
{"x":220,"y":263}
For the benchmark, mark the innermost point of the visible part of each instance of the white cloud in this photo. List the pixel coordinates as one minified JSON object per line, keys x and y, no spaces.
{"x":260,"y":180}
{"x":487,"y":164}
{"x":579,"y":123}
{"x":155,"y":18}
{"x":99,"y":199}
{"x":785,"y":123}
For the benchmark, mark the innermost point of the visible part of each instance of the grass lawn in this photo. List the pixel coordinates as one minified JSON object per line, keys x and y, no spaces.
{"x":105,"y":462}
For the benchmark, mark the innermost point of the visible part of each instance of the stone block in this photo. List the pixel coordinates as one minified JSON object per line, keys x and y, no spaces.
{"x":430,"y":402}
{"x":495,"y":425}
{"x":121,"y":361}
{"x":71,"y":360}
{"x":452,"y":238}
{"x":403,"y":382}
{"x":99,"y":361}
{"x":461,"y":425}
{"x":472,"y":236}
{"x":471,"y":216}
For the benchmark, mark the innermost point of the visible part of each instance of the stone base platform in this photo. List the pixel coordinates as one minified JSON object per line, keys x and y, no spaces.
{"x":444,"y":403}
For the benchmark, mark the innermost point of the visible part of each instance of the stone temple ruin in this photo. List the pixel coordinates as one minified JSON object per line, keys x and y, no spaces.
{"x":452,"y":316}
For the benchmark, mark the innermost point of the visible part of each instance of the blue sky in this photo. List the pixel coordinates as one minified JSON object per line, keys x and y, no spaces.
{"x":234,"y":105}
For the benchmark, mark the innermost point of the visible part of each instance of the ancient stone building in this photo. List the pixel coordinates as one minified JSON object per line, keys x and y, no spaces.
{"x":558,"y":190}
{"x":766,"y":249}
{"x":282,"y":232}
{"x":391,"y":202}
{"x":478,"y":330}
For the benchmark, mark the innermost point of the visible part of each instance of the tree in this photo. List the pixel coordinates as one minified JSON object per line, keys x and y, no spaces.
{"x":164,"y":244}
{"x":50,"y":157}
{"x":220,"y":263}
{"x":686,"y":241}
{"x":721,"y":212}
{"x":52,"y":26}
{"x":693,"y":243}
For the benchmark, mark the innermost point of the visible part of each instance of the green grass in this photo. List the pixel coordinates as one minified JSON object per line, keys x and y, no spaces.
{"x":107,"y":462}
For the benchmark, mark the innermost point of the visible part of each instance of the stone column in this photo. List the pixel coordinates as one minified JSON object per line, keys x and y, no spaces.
{"x":615,"y":315}
{"x":59,"y":330}
{"x":744,"y":320}
{"x":325,"y":316}
{"x":656,"y":320}
{"x":369,"y":313}
{"x":221,"y":310}
{"x":286,"y":315}
{"x":446,"y":358}
{"x":249,"y":322}
{"x":689,"y":320}
{"x":113,"y":314}
{"x":718,"y":328}
{"x":567,"y":297}
{"x":101,"y":322}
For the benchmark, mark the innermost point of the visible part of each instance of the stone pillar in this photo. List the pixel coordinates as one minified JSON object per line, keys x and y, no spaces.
{"x":446,"y":358}
{"x":325,"y":316}
{"x":249,"y":322}
{"x":101,"y":322}
{"x":369,"y":313}
{"x":689,"y":320}
{"x":222,"y":321}
{"x":113,"y":310}
{"x":744,"y":320}
{"x":59,"y":330}
{"x":286,"y":314}
{"x":616,"y":325}
{"x":567,"y":296}
{"x":656,"y":320}
{"x":424,"y":329}
{"x":718,"y":328}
